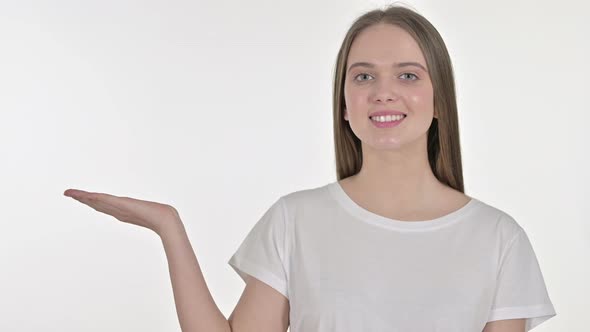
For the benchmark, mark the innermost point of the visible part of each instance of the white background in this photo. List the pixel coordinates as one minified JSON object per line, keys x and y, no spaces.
{"x":220,"y":107}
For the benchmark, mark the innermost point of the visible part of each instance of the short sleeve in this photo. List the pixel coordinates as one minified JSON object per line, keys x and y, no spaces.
{"x":262,"y":252}
{"x":521,"y":290}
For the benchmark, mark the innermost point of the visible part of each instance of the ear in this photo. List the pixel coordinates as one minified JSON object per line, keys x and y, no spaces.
{"x":345,"y":114}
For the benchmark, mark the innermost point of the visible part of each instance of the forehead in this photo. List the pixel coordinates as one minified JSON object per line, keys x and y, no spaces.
{"x":383,"y":44}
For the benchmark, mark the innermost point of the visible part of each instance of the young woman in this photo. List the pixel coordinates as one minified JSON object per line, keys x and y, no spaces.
{"x":394,"y":244}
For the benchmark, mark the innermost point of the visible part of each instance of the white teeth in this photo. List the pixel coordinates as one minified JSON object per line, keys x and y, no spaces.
{"x":387,"y":118}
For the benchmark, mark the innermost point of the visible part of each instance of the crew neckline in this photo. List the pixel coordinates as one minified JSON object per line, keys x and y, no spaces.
{"x":367,"y":216}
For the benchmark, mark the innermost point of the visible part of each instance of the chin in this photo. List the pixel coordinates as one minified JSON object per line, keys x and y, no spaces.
{"x":385,"y":145}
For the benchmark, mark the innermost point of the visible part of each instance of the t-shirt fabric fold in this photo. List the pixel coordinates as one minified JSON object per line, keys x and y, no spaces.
{"x":344,"y":268}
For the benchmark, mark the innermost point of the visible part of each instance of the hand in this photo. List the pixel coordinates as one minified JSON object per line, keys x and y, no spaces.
{"x":151,"y":215}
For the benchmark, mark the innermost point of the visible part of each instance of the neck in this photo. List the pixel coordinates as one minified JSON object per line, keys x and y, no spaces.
{"x":397,"y":178}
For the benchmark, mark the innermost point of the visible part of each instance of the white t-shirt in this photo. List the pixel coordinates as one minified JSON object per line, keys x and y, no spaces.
{"x":344,"y":268}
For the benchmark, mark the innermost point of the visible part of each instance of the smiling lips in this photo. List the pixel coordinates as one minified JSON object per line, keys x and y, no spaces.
{"x":386,"y":112}
{"x":387,"y":121}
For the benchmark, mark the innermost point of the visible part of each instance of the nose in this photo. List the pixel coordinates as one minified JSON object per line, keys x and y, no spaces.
{"x":385,"y":91}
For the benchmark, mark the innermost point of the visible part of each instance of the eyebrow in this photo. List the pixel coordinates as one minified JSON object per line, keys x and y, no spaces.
{"x":399,"y":65}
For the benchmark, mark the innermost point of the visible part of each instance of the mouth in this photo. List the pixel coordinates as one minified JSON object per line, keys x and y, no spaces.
{"x":387,"y":121}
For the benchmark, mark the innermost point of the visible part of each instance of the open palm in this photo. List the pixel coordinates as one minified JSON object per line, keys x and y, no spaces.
{"x":151,"y":215}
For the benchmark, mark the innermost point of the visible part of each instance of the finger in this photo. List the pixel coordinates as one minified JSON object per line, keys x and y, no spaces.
{"x":108,"y":204}
{"x":112,"y":201}
{"x":74,"y":193}
{"x":90,"y":196}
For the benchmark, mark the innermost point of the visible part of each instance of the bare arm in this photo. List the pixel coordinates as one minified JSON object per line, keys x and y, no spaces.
{"x":508,"y":325}
{"x":260,"y":309}
{"x":196,"y":309}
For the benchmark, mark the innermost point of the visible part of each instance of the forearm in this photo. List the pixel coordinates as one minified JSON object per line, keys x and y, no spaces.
{"x":196,"y":309}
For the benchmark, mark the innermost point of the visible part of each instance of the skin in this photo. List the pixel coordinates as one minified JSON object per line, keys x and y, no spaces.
{"x":507,"y":325}
{"x":395,"y":179}
{"x":154,"y":216}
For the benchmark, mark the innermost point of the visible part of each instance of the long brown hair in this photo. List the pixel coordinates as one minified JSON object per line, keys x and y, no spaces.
{"x":444,"y":151}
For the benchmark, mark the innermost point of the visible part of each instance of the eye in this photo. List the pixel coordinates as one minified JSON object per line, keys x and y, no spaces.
{"x":355,"y":78}
{"x":415,"y":77}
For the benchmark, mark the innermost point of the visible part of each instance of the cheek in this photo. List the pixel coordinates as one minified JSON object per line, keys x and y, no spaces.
{"x":350,"y":94}
{"x":421,"y":98}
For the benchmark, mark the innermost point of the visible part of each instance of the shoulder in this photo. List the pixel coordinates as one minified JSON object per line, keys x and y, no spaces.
{"x":499,"y":220}
{"x":484,"y":210}
{"x":306,"y":196}
{"x":306,"y":202}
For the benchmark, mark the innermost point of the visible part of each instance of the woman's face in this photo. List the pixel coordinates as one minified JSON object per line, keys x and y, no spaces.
{"x":394,"y":82}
